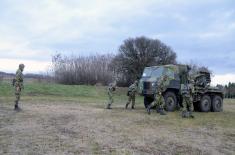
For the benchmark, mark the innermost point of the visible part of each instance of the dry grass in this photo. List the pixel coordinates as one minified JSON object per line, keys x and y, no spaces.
{"x":57,"y":127}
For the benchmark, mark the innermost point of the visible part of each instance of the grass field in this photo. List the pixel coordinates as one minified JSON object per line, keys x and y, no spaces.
{"x":59,"y":119}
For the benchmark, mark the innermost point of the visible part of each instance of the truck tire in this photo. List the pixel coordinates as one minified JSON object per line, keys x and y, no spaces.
{"x":170,"y":100}
{"x":147,"y":101}
{"x":217,"y":104}
{"x":205,"y":103}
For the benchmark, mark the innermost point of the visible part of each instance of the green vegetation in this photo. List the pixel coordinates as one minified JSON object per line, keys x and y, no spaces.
{"x":230,"y":90}
{"x":63,"y":119}
{"x":52,"y":91}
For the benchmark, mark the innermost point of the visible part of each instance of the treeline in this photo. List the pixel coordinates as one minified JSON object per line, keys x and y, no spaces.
{"x":82,"y":70}
{"x":229,"y":90}
{"x":124,"y":67}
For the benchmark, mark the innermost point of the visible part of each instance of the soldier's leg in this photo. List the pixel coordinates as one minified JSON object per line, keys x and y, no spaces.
{"x":17,"y":98}
{"x":162,"y":102}
{"x":150,"y":106}
{"x":133,"y":102}
{"x":17,"y":95}
{"x":158,"y":103}
{"x":162,"y":105}
{"x":128,"y":102}
{"x":184,"y":110}
{"x":184,"y":104}
{"x":191,"y":108}
{"x":110,"y":101}
{"x":157,"y":99}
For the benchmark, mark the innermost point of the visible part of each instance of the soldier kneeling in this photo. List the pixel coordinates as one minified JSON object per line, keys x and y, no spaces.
{"x":159,"y":101}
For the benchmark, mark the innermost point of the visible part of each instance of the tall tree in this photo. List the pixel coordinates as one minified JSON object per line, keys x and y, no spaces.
{"x":137,"y":53}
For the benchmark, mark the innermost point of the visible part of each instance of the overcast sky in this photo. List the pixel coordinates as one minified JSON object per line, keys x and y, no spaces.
{"x":201,"y":31}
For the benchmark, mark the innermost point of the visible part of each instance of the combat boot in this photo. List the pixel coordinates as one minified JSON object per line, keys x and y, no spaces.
{"x":108,"y":106}
{"x":17,"y":108}
{"x":185,"y":114}
{"x":148,"y":110}
{"x":16,"y":105}
{"x":127,"y":105}
{"x":191,"y":114}
{"x":162,"y":112}
{"x":158,"y":110}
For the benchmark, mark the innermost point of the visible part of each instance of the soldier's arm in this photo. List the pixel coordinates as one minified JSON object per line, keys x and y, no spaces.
{"x":17,"y":76}
{"x":22,"y":84}
{"x":133,"y":88}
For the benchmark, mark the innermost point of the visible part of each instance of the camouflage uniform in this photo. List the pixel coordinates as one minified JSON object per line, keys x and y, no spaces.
{"x":187,"y":102}
{"x":159,"y":101}
{"x":187,"y":91}
{"x":131,"y":93}
{"x":111,"y":89}
{"x":18,"y":83}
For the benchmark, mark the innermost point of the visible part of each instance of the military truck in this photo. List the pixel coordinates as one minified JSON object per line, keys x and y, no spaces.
{"x":205,"y":97}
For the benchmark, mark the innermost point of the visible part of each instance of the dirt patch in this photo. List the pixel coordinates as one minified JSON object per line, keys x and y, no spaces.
{"x":58,"y":128}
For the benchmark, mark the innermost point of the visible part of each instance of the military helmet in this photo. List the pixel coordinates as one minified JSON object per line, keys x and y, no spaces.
{"x":21,"y":66}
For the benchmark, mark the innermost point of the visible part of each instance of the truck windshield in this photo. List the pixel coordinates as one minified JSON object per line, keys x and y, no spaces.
{"x":147,"y":72}
{"x":157,"y":72}
{"x":153,"y":72}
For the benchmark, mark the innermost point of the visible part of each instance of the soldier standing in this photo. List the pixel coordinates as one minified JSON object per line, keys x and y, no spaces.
{"x":111,"y":89}
{"x":131,"y":93}
{"x":159,"y":101}
{"x":187,"y":94}
{"x":18,"y":83}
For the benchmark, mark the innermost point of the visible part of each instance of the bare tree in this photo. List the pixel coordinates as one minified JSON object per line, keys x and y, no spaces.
{"x":82,"y":70}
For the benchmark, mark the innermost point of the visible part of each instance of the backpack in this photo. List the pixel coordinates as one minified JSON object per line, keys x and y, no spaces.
{"x":13,"y":82}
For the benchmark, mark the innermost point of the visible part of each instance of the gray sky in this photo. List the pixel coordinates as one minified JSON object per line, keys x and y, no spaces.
{"x":199,"y":31}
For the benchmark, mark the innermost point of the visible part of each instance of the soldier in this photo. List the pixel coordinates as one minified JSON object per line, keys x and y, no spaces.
{"x":18,"y":83}
{"x":111,"y":89}
{"x":131,"y":93}
{"x":187,"y":94}
{"x":159,"y":101}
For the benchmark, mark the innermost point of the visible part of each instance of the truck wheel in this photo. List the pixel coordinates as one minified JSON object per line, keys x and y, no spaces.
{"x":147,"y":101}
{"x":170,"y":100}
{"x":217,"y":104}
{"x":205,"y":103}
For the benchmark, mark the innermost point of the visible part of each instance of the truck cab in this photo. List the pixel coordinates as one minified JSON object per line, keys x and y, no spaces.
{"x":205,"y":97}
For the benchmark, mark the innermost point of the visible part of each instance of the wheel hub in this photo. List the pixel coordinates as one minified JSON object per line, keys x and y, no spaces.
{"x":206,"y":103}
{"x":170,"y":101}
{"x":217,"y":104}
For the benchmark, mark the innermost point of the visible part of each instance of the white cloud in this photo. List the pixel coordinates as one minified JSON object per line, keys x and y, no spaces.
{"x":44,"y":23}
{"x":223,"y":79}
{"x":35,"y":29}
{"x":31,"y":66}
{"x":209,"y":35}
{"x":13,"y":48}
